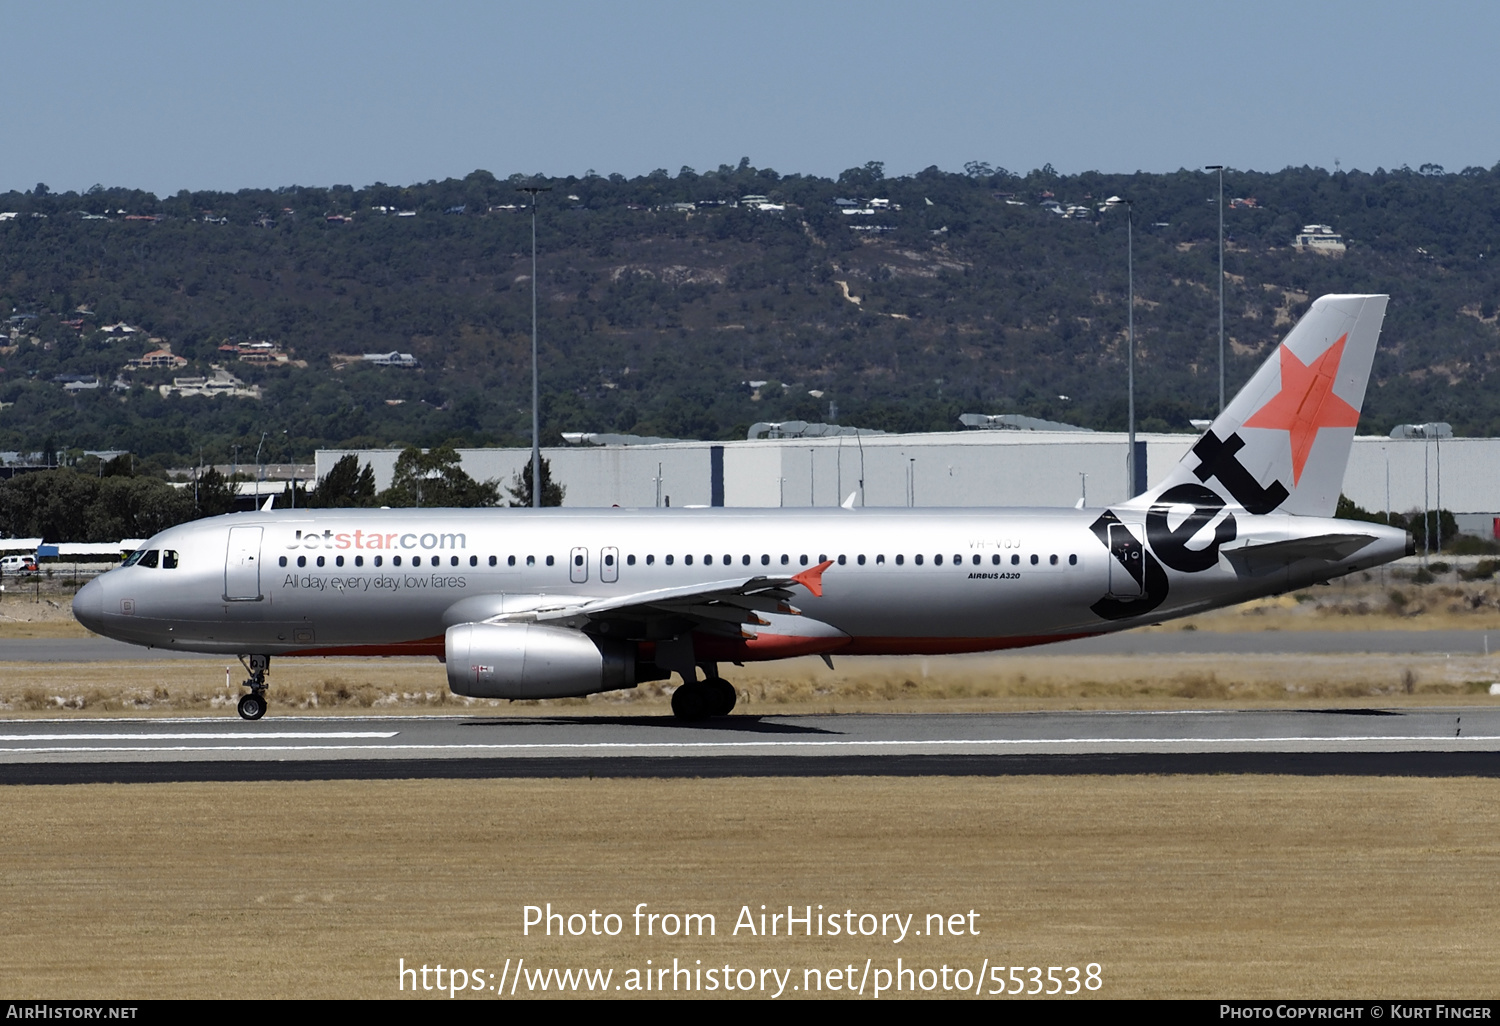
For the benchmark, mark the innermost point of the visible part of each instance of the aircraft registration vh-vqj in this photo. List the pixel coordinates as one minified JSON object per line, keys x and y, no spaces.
{"x":553,"y":603}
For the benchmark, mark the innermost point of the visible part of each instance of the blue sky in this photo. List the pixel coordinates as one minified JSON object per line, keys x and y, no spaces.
{"x":170,"y":95}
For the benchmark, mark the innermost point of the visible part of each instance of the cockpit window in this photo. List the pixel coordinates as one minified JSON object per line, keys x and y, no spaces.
{"x":133,"y":558}
{"x":150,"y":558}
{"x":169,"y":559}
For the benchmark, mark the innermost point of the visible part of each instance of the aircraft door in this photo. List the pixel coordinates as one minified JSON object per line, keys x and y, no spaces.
{"x":609,"y":564}
{"x":1127,"y":562}
{"x":242,"y":565}
{"x":578,"y":566}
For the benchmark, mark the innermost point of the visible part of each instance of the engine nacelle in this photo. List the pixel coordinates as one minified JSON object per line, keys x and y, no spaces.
{"x":527,"y":660}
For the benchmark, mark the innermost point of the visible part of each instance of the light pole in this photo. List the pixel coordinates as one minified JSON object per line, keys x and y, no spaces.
{"x":1130,"y":343}
{"x":1430,"y":432}
{"x":1220,"y":168}
{"x":260,"y":474}
{"x":536,"y":424}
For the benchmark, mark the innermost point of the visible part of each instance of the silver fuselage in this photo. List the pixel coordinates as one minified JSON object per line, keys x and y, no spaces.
{"x":389,"y":581}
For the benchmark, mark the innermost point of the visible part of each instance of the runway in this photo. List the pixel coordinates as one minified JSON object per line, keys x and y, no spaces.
{"x":1452,"y":642}
{"x":1435,"y":742}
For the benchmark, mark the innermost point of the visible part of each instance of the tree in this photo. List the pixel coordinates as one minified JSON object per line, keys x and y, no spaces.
{"x":215,"y":494}
{"x":345,"y":486}
{"x":520,"y":487}
{"x":434,"y":478}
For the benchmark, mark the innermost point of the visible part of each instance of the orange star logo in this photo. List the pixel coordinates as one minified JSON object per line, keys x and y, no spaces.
{"x":1306,"y":402}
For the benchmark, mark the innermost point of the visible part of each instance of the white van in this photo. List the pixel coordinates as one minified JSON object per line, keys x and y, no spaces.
{"x":18,"y":565}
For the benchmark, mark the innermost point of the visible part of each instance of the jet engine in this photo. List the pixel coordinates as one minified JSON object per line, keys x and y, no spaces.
{"x":527,"y":660}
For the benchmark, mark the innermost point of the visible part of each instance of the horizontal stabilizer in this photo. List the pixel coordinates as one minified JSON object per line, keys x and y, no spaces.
{"x":1255,"y":560}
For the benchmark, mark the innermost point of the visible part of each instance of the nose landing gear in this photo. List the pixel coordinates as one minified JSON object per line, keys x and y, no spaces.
{"x":253,"y":705}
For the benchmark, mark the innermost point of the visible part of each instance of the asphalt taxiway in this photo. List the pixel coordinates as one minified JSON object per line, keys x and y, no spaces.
{"x":1428,"y":742}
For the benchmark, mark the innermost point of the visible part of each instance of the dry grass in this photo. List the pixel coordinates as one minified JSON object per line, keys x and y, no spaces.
{"x":1205,"y":887}
{"x":1003,"y":682}
{"x":38,"y":608}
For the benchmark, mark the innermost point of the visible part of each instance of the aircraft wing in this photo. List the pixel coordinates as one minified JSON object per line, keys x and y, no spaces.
{"x":732,"y":607}
{"x":1253,"y":560}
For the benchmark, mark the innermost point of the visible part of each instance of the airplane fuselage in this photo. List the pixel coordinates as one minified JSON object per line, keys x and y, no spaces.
{"x":391,"y":581}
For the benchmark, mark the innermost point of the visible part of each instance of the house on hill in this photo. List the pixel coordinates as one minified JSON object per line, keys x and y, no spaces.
{"x":157,"y":358}
{"x":1319,"y":238}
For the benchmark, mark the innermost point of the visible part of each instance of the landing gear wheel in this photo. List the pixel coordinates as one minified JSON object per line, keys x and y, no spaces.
{"x":253,"y":706}
{"x":721,"y":696}
{"x":691,"y":703}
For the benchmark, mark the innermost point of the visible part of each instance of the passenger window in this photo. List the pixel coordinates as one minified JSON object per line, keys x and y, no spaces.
{"x":1052,"y":560}
{"x":976,"y":559}
{"x":880,"y":560}
{"x":822,"y":558}
{"x":918,"y":559}
{"x":650,"y":560}
{"x":861,"y":559}
{"x":302,"y":560}
{"x":510,"y":560}
{"x":803,"y":559}
{"x":359,"y":560}
{"x":473,"y":560}
{"x":531,"y":561}
{"x":1035,"y":559}
{"x":453,"y":560}
{"x":900,"y":560}
{"x":578,"y":560}
{"x":551,"y":561}
{"x":395,"y":561}
{"x":169,"y":559}
{"x":765,"y":559}
{"x":688,"y":559}
{"x":379,"y":560}
{"x":937,"y":560}
{"x":630,"y":561}
{"x":320,"y":560}
{"x":150,"y":558}
{"x":338,"y":560}
{"x":1015,"y":560}
{"x":494,"y":561}
{"x":746,"y":559}
{"x":728,"y":559}
{"x":1073,"y":560}
{"x":842,"y":559}
{"x":609,"y":560}
{"x":959,"y":559}
{"x":785,"y":559}
{"x":279,"y":562}
{"x":669,"y":561}
{"x":994,"y":560}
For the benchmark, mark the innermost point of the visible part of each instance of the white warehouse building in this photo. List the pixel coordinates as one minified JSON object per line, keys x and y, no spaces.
{"x":961,"y":468}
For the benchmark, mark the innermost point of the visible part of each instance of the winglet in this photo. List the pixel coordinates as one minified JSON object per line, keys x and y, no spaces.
{"x":849,"y":502}
{"x":270,"y":500}
{"x":812,"y":577}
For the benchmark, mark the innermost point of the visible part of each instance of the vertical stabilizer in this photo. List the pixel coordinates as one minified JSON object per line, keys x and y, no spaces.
{"x":1282,"y":443}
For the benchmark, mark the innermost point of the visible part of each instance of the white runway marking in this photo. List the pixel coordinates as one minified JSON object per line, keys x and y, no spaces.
{"x":691,"y":746}
{"x":289,"y":735}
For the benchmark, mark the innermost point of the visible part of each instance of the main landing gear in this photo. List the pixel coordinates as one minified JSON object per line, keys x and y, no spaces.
{"x":253,"y":705}
{"x":697,"y":700}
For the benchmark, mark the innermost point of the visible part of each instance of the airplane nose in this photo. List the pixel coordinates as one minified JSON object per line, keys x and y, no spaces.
{"x":88,"y":606}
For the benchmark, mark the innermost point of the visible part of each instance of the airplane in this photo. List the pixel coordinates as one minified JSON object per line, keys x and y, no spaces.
{"x":552,"y":603}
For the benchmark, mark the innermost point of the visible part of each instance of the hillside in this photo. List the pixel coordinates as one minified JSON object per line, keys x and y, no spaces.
{"x":962,"y":293}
